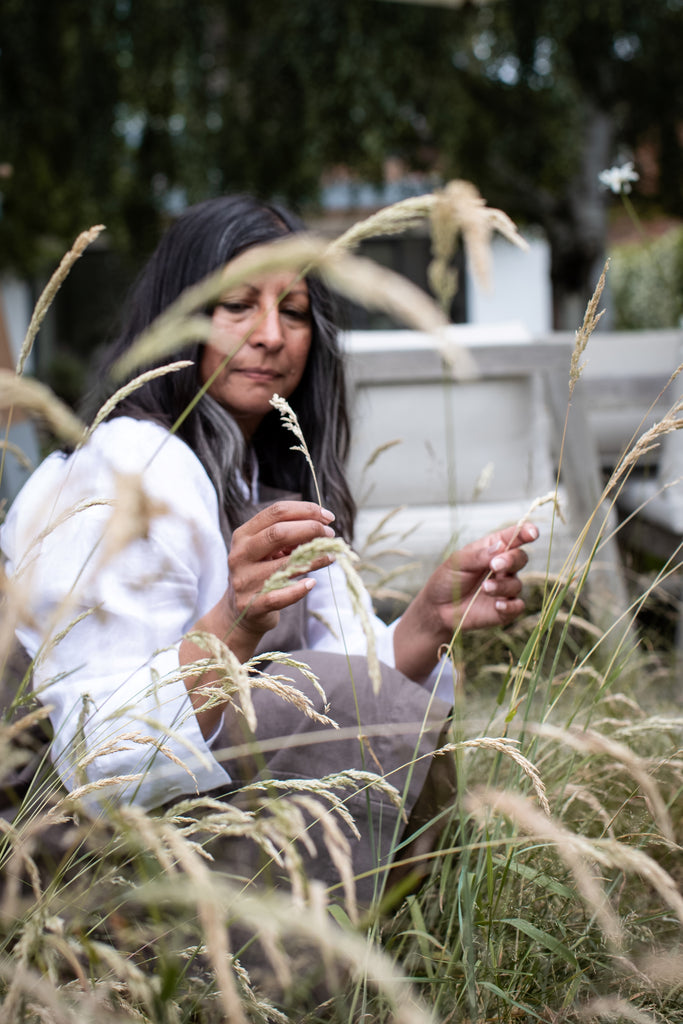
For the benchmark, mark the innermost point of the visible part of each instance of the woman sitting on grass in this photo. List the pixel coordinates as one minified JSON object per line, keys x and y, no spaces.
{"x":215,"y":501}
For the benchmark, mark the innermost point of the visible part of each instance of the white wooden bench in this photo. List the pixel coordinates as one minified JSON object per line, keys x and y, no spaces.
{"x":509,"y":416}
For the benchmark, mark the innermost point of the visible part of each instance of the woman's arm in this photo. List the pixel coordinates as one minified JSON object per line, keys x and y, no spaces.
{"x":477,"y":587}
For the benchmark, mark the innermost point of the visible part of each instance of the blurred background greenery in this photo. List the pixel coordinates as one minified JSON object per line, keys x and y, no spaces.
{"x":124,"y":111}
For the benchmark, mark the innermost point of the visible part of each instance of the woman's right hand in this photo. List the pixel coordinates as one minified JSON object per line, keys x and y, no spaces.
{"x":261,"y":547}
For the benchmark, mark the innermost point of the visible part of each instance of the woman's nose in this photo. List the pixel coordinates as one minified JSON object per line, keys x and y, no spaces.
{"x":267,"y":329}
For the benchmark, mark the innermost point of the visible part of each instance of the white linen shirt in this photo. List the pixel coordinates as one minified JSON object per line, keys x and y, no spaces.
{"x":103,"y":615}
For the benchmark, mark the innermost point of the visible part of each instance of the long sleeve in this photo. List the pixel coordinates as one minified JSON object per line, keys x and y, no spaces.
{"x":103,"y":615}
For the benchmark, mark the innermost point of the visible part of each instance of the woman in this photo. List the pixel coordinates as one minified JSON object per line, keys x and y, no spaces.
{"x":110,"y":624}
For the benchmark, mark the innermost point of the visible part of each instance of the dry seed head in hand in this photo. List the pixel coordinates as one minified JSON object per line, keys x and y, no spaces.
{"x":302,"y":556}
{"x":300,"y":560}
{"x":290,"y":421}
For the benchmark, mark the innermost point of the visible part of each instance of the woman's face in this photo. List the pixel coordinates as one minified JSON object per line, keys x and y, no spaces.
{"x":264,"y":327}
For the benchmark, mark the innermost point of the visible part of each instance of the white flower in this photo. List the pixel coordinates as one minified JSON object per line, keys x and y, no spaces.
{"x":619,"y":178}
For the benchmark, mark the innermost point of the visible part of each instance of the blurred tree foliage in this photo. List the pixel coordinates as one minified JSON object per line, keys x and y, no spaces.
{"x":121,"y":111}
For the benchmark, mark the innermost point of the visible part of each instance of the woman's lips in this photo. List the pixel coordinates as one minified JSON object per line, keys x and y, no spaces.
{"x":253,"y":373}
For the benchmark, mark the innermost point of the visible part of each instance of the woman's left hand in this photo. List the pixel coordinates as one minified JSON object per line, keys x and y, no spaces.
{"x":477,"y":587}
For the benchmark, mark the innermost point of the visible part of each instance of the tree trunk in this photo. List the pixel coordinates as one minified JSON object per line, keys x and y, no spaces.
{"x":578,"y":224}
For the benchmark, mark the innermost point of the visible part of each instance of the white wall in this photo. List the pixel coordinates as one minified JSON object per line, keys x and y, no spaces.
{"x":520,"y":287}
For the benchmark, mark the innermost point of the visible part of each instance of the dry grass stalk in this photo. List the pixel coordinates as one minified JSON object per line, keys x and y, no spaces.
{"x":615,"y":1009}
{"x":215,"y":932}
{"x":55,"y":638}
{"x":131,"y":519}
{"x":325,"y":787}
{"x":456,"y":209}
{"x":234,"y":675}
{"x":375,"y":455}
{"x":580,"y":793}
{"x":392,"y":220}
{"x":51,"y":289}
{"x":13,"y":730}
{"x":459,"y":210}
{"x":208,"y":816}
{"x":588,"y":741}
{"x":261,"y":1007}
{"x":279,"y":658}
{"x":338,"y":848}
{"x":590,"y":321}
{"x":673,"y":420}
{"x":550,"y":498}
{"x":302,"y":254}
{"x":139,"y":986}
{"x":75,"y":510}
{"x":664,"y":969}
{"x":88,"y":789}
{"x":351,"y":952}
{"x":374,"y":287}
{"x":40,"y":994}
{"x":21,"y":456}
{"x":508,"y":748}
{"x":238,"y":678}
{"x":132,"y":386}
{"x":38,"y":400}
{"x":123,"y":742}
{"x":577,"y":852}
{"x":483,"y":481}
{"x":282,"y":686}
{"x":630,"y":859}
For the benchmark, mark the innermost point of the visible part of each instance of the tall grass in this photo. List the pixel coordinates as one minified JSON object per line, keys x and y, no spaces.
{"x":556,"y":890}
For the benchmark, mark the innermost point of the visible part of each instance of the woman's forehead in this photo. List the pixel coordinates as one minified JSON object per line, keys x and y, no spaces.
{"x":278,"y":282}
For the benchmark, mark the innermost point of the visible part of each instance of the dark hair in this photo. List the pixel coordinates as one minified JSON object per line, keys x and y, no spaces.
{"x":202,"y":239}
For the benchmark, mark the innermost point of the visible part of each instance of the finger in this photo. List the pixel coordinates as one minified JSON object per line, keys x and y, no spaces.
{"x":285,"y":511}
{"x":279,"y":539}
{"x":509,"y":609}
{"x":515,"y":536}
{"x":248,"y":579}
{"x":509,"y":562}
{"x":503,"y":586}
{"x":276,"y":600}
{"x":478,"y":555}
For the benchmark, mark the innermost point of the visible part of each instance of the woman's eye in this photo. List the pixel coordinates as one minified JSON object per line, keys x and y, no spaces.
{"x":301,"y":315}
{"x":235,"y":308}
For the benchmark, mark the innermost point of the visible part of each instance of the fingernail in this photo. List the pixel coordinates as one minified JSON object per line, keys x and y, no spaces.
{"x":309,"y":584}
{"x":533,"y":530}
{"x":328,"y":531}
{"x":498,"y":563}
{"x":489,"y":586}
{"x":327,"y":515}
{"x":501,"y":606}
